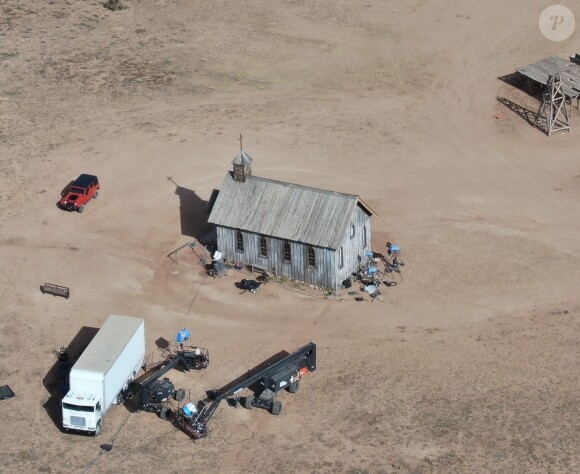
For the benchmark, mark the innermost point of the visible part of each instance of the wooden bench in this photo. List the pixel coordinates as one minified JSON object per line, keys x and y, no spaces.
{"x":55,"y":290}
{"x":257,"y":268}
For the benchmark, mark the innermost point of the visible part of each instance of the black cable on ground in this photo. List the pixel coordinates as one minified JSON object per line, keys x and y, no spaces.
{"x":196,"y":293}
{"x":108,"y":446}
{"x":236,"y":442}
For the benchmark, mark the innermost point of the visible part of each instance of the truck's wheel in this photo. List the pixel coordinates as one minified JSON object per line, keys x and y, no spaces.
{"x":98,"y":429}
{"x":293,"y":387}
{"x":82,"y":208}
{"x":96,"y":194}
{"x":276,"y":407}
{"x":179,"y":394}
{"x":248,"y":402}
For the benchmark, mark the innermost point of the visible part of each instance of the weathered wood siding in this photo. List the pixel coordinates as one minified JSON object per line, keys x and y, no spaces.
{"x":297,"y":269}
{"x":326,"y":273}
{"x":353,"y":247}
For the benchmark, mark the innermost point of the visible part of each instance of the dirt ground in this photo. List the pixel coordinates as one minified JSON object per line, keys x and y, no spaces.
{"x":471,"y":362}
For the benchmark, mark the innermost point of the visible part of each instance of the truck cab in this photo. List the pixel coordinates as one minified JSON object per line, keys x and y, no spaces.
{"x":81,"y":413}
{"x":103,"y":372}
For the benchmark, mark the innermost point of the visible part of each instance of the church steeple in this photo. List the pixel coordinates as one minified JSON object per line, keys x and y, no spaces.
{"x":242,"y":167}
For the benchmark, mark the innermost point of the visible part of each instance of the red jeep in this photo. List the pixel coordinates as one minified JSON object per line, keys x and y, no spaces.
{"x":79,"y":192}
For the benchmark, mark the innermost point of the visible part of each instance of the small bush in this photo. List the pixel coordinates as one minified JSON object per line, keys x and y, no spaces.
{"x":114,"y":5}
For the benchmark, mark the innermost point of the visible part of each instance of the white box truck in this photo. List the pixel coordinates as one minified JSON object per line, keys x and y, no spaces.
{"x":103,"y":372}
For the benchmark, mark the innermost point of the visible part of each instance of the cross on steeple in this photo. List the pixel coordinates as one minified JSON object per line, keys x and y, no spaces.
{"x":240,"y":139}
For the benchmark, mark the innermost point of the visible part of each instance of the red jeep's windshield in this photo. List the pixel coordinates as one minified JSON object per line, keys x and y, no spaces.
{"x":76,"y":190}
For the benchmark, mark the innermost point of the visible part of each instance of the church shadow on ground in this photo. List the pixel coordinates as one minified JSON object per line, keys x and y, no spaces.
{"x":193,"y":213}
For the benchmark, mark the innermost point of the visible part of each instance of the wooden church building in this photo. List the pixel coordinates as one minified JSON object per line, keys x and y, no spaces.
{"x":293,"y":231}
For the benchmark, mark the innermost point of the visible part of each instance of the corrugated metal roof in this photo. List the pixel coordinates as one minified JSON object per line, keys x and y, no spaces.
{"x":285,"y":210}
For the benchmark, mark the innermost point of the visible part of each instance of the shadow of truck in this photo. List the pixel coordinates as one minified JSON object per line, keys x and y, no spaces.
{"x":56,"y":380}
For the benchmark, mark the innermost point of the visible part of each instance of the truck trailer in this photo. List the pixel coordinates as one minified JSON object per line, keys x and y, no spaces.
{"x":103,"y":373}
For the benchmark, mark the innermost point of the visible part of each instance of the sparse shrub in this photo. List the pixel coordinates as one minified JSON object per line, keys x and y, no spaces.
{"x":114,"y":5}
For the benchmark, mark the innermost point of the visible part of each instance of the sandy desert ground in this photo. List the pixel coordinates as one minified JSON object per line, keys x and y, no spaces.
{"x":471,"y":362}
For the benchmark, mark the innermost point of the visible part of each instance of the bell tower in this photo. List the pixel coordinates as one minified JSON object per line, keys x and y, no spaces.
{"x":242,"y":167}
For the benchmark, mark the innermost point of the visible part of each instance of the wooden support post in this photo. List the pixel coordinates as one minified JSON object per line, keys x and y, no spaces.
{"x":553,"y":111}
